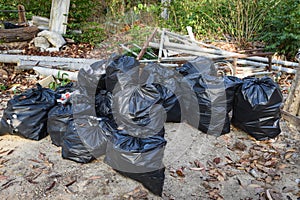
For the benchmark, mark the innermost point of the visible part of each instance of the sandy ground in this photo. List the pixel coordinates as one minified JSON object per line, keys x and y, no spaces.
{"x":198,"y":166}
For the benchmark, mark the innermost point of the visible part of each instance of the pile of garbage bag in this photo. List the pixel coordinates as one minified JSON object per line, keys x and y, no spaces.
{"x":118,"y":109}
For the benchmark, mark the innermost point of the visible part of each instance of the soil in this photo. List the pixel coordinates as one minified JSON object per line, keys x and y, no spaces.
{"x":198,"y":166}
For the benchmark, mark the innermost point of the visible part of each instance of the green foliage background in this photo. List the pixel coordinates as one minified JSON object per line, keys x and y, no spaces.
{"x":276,"y":22}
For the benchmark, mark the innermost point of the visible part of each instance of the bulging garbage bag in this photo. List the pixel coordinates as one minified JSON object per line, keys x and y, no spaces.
{"x":138,"y":158}
{"x":85,"y":139}
{"x":121,"y":70}
{"x":257,"y":108}
{"x":200,"y":65}
{"x":103,"y":103}
{"x":215,"y":98}
{"x":60,"y":115}
{"x":169,"y":85}
{"x":58,"y":120}
{"x":92,"y":79}
{"x":26,"y":114}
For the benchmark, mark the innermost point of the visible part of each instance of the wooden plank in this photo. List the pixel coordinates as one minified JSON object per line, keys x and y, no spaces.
{"x":291,"y":119}
{"x":59,"y":16}
{"x":161,"y":45}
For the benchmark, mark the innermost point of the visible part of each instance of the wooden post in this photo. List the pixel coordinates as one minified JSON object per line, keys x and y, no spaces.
{"x":144,"y":49}
{"x":59,"y":16}
{"x":293,"y":100}
{"x":22,"y":16}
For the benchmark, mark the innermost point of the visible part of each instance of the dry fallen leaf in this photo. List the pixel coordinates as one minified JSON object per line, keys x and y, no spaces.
{"x":180,"y":173}
{"x":217,"y":160}
{"x":2,"y":177}
{"x":240,"y":146}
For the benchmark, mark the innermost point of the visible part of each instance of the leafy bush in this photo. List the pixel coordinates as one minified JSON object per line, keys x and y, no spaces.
{"x":281,"y":31}
{"x":92,"y":33}
{"x":194,"y":13}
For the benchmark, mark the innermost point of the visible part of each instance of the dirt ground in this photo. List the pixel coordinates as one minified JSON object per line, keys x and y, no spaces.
{"x":198,"y":166}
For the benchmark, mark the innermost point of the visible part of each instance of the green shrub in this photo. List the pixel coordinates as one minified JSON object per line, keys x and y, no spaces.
{"x":281,"y":31}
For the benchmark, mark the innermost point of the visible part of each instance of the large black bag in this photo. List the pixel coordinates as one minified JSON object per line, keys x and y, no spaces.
{"x":200,"y":65}
{"x":26,"y":114}
{"x":169,"y":85}
{"x":85,"y":139}
{"x":215,"y":97}
{"x":120,"y":70}
{"x":58,"y":120}
{"x":138,"y":158}
{"x":92,"y":79}
{"x":257,"y":108}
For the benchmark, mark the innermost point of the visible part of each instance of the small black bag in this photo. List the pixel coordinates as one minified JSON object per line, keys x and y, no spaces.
{"x":85,"y":139}
{"x":26,"y":114}
{"x":58,"y":120}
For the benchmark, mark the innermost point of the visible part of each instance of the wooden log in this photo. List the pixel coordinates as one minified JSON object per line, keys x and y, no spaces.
{"x":18,"y":34}
{"x":55,"y":72}
{"x":59,"y":16}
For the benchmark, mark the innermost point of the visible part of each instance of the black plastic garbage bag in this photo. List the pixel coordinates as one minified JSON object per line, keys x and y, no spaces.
{"x":92,"y":79}
{"x":4,"y":127}
{"x":200,"y":65}
{"x":215,"y":99}
{"x":153,"y":180}
{"x":59,"y":115}
{"x":83,"y":104}
{"x":139,"y":110}
{"x":168,"y":83}
{"x":26,"y":114}
{"x":138,"y":158}
{"x":103,"y":104}
{"x":58,"y":120}
{"x":121,"y":70}
{"x":85,"y":139}
{"x":257,"y":108}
